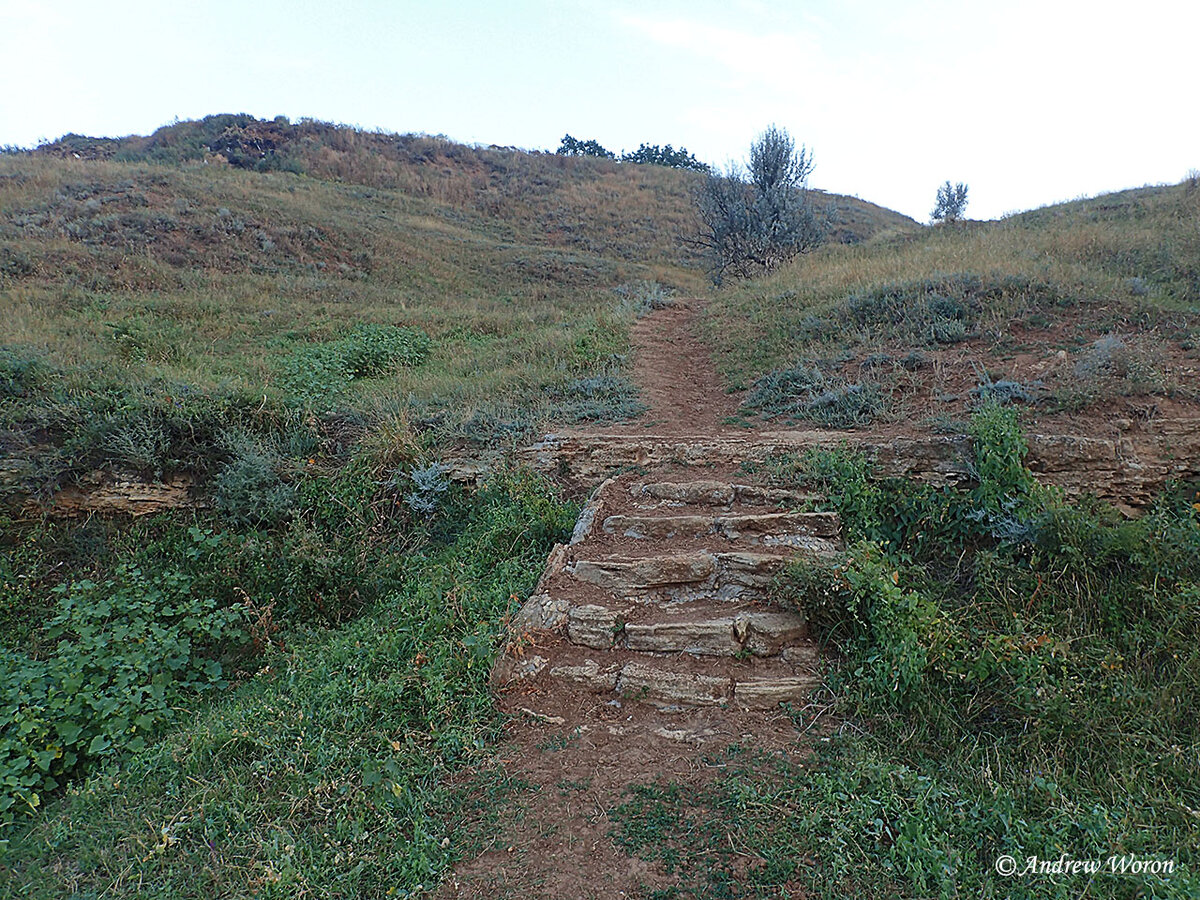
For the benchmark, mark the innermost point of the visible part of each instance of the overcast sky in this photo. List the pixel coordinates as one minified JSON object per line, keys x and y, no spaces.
{"x":1028,"y":102}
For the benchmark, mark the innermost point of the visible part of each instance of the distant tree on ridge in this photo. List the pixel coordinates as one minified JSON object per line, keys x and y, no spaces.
{"x":951,"y":202}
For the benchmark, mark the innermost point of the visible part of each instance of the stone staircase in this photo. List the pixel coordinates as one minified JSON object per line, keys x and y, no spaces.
{"x":661,"y":597}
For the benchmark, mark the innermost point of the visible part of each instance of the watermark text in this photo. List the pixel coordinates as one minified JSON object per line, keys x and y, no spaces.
{"x":1016,"y":867}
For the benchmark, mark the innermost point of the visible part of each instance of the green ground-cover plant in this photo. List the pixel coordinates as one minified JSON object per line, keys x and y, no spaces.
{"x":127,"y":652}
{"x":330,"y":770}
{"x":316,"y":373}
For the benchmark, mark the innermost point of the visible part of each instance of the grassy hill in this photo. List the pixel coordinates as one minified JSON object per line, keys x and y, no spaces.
{"x":296,"y":320}
{"x":1080,"y":311}
{"x":215,"y":258}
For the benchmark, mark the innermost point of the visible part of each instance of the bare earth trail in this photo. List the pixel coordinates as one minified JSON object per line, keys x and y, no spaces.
{"x":673,"y":370}
{"x":649,"y":647}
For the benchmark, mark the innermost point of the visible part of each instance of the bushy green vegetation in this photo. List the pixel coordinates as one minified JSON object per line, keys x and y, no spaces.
{"x":315,"y":374}
{"x":126,"y":653}
{"x":1015,"y":674}
{"x":654,"y":155}
{"x":570,"y":146}
{"x":327,"y":772}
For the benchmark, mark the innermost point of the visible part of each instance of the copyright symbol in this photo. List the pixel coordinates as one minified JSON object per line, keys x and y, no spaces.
{"x":1006,"y":865}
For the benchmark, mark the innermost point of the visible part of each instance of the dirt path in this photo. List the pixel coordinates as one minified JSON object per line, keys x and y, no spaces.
{"x":619,"y":718}
{"x":673,"y":369}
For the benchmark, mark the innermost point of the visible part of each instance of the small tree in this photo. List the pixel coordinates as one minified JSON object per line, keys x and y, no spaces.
{"x":655,"y":155}
{"x":573,"y":147}
{"x":951,"y":202}
{"x":755,"y":220}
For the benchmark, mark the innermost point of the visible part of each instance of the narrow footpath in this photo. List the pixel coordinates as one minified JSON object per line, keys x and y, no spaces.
{"x":650,"y":646}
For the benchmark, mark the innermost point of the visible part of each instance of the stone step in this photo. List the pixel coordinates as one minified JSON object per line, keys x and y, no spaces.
{"x":699,"y":630}
{"x":715,"y":493}
{"x":757,"y":633}
{"x":813,"y":530}
{"x":681,"y":577}
{"x":763,"y":685}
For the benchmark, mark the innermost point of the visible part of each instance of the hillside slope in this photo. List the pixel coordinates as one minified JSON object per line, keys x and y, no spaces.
{"x":215,"y":258}
{"x":1083,"y":312}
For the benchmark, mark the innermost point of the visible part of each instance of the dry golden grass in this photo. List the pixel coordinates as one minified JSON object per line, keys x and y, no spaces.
{"x":1097,"y":261}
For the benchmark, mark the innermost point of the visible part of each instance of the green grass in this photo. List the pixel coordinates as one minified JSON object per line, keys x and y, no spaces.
{"x":327,"y":771}
{"x":118,"y":315}
{"x":148,"y":361}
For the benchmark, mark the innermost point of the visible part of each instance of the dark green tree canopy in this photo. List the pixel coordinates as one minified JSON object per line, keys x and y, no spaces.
{"x":574,"y":147}
{"x":655,"y":155}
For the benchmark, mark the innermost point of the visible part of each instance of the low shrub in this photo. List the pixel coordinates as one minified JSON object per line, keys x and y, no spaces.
{"x":127,"y":653}
{"x":21,"y":370}
{"x":429,"y":486}
{"x":845,"y":406}
{"x":858,"y":605}
{"x":806,"y":393}
{"x":644,"y":297}
{"x":600,"y":398}
{"x":370,"y":350}
{"x":1004,"y":391}
{"x":249,"y":488}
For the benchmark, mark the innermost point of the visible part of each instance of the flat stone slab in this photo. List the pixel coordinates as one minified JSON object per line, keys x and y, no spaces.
{"x":781,"y":527}
{"x":757,"y":633}
{"x":716,"y":493}
{"x":708,"y":637}
{"x":659,"y":527}
{"x":709,"y":493}
{"x":595,"y":626}
{"x":766,"y":693}
{"x":590,"y":674}
{"x":639,"y":681}
{"x":541,"y":612}
{"x":1127,"y":468}
{"x":769,"y":633}
{"x":627,"y":575}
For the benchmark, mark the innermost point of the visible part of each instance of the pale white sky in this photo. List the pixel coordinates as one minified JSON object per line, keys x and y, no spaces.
{"x":1029,"y":102}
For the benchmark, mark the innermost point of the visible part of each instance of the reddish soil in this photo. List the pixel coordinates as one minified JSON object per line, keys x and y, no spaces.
{"x":555,"y":838}
{"x":674,"y":370}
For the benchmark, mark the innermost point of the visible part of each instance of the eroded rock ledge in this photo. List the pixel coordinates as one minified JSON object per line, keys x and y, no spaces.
{"x":1127,"y":469}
